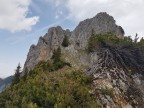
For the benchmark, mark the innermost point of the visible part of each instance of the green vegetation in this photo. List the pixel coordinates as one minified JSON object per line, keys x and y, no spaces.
{"x":17,"y":75}
{"x":57,"y":55}
{"x":97,"y":41}
{"x":65,"y":42}
{"x":122,"y":52}
{"x":106,"y":91}
{"x":25,"y":74}
{"x":55,"y":84}
{"x":57,"y":62}
{"x":51,"y":84}
{"x":42,"y":89}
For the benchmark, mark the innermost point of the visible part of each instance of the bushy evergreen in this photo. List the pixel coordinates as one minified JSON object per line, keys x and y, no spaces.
{"x":57,"y":55}
{"x":17,"y":75}
{"x":51,"y":84}
{"x":25,"y":74}
{"x":65,"y":42}
{"x":97,"y":41}
{"x":63,"y":88}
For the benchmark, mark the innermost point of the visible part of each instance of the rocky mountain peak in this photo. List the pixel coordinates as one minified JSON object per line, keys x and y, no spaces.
{"x":78,"y":38}
{"x":104,"y":16}
{"x":101,"y":23}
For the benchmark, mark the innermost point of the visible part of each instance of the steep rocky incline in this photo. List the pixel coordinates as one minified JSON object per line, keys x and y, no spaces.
{"x":45,"y":46}
{"x":101,"y":23}
{"x":112,"y":85}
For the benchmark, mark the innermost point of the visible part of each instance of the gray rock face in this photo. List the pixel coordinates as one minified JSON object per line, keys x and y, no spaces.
{"x":127,"y":92}
{"x":101,"y":23}
{"x":45,"y":46}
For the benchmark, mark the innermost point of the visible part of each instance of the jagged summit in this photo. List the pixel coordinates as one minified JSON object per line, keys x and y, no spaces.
{"x":101,"y":23}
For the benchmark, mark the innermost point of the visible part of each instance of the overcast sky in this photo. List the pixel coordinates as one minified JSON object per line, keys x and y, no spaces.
{"x":22,"y":22}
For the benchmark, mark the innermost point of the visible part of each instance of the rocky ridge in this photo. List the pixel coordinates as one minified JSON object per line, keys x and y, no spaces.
{"x":113,"y":87}
{"x":101,"y":23}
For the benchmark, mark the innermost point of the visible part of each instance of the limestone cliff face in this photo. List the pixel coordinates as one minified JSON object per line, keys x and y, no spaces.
{"x":101,"y":23}
{"x":78,"y":38}
{"x":45,"y":46}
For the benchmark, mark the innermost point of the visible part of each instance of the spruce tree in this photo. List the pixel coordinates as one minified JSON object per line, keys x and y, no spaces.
{"x":65,"y":42}
{"x":17,"y":74}
{"x":91,"y":42}
{"x":57,"y":55}
{"x":25,"y":74}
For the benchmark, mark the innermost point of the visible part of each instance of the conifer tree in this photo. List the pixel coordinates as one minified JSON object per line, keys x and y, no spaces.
{"x":56,"y":55}
{"x":25,"y":74}
{"x":65,"y":42}
{"x":91,"y":42}
{"x":17,"y":74}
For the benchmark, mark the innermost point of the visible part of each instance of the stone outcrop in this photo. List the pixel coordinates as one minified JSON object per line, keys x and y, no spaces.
{"x":101,"y":23}
{"x":78,"y":38}
{"x":45,"y":46}
{"x":114,"y":88}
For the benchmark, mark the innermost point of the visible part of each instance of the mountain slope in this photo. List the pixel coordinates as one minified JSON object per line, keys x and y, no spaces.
{"x":63,"y":88}
{"x":93,"y":66}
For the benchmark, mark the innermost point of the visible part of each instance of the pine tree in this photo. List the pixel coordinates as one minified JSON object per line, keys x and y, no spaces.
{"x":91,"y":42}
{"x":65,"y":42}
{"x":56,"y":55}
{"x":136,"y":38}
{"x":25,"y":74}
{"x":17,"y":74}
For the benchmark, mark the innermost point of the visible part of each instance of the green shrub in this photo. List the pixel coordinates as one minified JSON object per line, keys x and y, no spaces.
{"x":106,"y":91}
{"x":17,"y":75}
{"x":97,"y":41}
{"x":50,"y":90}
{"x":65,"y":42}
{"x":57,"y":55}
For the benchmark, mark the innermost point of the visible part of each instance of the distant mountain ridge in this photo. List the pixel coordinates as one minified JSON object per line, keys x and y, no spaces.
{"x":4,"y":83}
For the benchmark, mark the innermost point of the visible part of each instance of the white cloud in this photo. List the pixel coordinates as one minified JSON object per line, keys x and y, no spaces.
{"x":13,"y":15}
{"x":128,"y":13}
{"x":59,"y":13}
